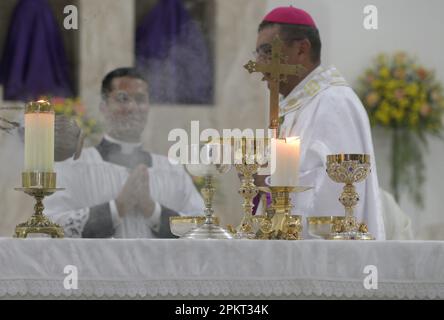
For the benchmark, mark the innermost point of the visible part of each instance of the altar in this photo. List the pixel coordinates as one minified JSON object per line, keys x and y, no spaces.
{"x":37,"y":268}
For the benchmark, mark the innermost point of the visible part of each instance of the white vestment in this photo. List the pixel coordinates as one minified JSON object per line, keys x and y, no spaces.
{"x":90,"y":181}
{"x":330,"y":119}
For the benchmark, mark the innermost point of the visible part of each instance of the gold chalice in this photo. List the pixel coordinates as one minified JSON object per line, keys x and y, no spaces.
{"x":349,"y":169}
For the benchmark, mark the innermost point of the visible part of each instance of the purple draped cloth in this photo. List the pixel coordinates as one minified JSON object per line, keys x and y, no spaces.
{"x":257,"y":199}
{"x":34,"y":61}
{"x":171,"y":50}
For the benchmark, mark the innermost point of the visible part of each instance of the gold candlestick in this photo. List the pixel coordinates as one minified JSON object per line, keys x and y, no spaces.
{"x":250,"y":154}
{"x":349,"y":169}
{"x":248,"y":191}
{"x":38,"y":185}
{"x":279,"y":223}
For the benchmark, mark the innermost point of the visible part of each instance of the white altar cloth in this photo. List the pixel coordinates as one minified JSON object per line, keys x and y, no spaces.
{"x":221,"y":269}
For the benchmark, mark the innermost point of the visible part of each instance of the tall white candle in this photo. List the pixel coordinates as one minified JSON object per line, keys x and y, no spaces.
{"x":286,"y":173}
{"x":39,"y":137}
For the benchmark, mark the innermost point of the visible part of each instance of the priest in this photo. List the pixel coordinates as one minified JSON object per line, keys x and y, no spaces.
{"x":116,"y":189}
{"x":319,"y":106}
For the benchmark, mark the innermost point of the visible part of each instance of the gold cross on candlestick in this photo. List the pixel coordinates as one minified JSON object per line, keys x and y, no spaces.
{"x":275,"y":71}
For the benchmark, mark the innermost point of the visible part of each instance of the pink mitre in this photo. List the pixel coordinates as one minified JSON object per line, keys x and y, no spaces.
{"x":290,"y":15}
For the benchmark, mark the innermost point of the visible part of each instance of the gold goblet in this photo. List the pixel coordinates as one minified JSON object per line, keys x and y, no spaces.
{"x":349,"y":169}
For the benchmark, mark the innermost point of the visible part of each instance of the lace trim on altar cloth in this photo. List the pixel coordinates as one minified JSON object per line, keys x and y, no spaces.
{"x":219,"y":288}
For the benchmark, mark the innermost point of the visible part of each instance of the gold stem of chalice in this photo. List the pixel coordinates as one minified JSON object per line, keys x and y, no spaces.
{"x":38,"y":185}
{"x":349,"y":199}
{"x":208,"y":193}
{"x":349,"y":169}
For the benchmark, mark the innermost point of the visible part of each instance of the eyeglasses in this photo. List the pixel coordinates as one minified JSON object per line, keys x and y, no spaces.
{"x":265,"y":50}
{"x":123,"y":97}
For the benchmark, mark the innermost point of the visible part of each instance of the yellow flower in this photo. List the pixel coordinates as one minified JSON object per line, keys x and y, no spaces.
{"x":376,"y":84}
{"x":383,"y":113}
{"x":382,"y":117}
{"x":412,"y":89}
{"x":391,"y":85}
{"x":403,"y":103}
{"x":416,"y":106}
{"x":398,"y":115}
{"x":384,"y":72}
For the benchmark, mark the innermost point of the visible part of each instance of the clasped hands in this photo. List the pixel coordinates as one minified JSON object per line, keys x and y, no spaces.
{"x":135,"y":194}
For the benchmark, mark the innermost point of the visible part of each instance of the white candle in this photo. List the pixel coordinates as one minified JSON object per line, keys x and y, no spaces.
{"x":286,"y":173}
{"x":39,"y":137}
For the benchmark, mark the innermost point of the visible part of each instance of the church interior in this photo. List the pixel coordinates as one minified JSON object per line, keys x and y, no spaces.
{"x":207,"y":82}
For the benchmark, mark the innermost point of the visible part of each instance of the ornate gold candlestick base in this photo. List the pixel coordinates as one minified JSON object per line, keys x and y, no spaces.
{"x":38,"y":185}
{"x":349,"y":169}
{"x":280,"y":224}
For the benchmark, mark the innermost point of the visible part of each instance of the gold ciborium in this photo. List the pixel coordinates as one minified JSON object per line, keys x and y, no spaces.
{"x":39,"y":185}
{"x":349,"y":169}
{"x":208,"y":169}
{"x":249,"y":155}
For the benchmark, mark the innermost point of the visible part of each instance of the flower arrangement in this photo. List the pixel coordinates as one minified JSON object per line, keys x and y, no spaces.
{"x":404,"y":97}
{"x":73,"y":107}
